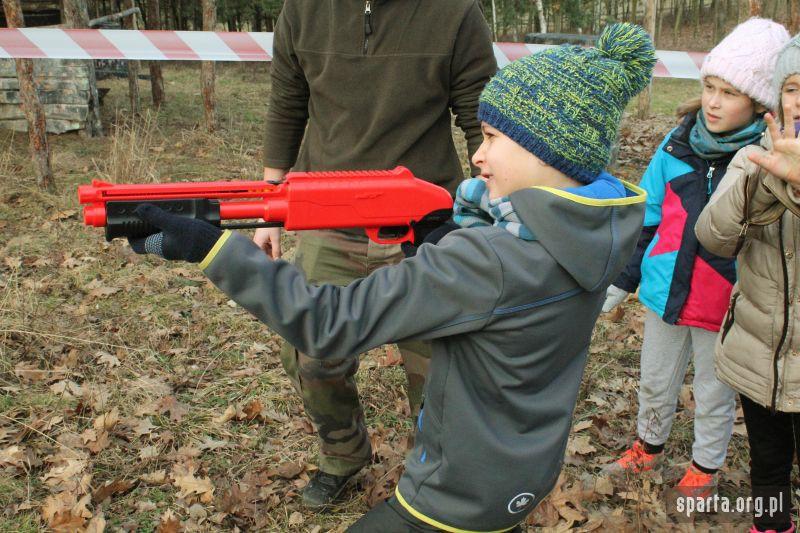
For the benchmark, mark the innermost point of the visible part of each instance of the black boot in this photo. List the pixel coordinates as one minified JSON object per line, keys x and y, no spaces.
{"x":322,"y":490}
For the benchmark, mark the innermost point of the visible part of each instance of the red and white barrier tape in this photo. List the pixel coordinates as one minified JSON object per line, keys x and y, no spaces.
{"x":41,"y":43}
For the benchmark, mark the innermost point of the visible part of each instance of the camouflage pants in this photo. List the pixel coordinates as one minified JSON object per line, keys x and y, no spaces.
{"x":328,"y":387}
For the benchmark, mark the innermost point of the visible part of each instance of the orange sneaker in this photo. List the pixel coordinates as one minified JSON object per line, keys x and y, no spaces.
{"x":697,"y":484}
{"x":633,"y":461}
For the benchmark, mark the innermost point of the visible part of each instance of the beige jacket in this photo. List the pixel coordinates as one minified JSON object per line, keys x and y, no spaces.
{"x":754,"y":216}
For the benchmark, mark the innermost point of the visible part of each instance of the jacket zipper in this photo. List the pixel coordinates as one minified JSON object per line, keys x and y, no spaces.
{"x":709,"y":181}
{"x":367,"y":24}
{"x":785,"y":328}
{"x":729,"y":319}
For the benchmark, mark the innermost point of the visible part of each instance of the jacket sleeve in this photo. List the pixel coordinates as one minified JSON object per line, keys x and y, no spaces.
{"x":722,"y":222}
{"x":471,"y":67}
{"x":654,"y":183}
{"x":287,"y":113}
{"x":445,"y":290}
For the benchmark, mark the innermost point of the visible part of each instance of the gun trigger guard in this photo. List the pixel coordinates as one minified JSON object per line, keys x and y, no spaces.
{"x":374,"y":235}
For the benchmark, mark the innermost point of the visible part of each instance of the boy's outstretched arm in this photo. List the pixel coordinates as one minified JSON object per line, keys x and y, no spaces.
{"x":448,"y":289}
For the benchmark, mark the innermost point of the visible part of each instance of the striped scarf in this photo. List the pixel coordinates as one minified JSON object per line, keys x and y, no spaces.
{"x":473,"y":208}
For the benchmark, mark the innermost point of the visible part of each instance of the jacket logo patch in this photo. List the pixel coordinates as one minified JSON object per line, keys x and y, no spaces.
{"x":521,"y":502}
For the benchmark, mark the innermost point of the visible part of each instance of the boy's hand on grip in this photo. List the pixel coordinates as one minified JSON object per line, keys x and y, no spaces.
{"x":431,"y":234}
{"x":180,"y":238}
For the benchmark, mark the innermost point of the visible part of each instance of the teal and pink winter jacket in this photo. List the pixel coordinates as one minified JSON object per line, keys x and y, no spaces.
{"x":678,"y":279}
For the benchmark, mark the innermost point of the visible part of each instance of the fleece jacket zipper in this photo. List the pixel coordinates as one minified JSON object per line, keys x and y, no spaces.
{"x":367,"y":24}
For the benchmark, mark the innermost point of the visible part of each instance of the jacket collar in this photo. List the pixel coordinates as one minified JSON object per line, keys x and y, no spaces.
{"x":678,"y":145}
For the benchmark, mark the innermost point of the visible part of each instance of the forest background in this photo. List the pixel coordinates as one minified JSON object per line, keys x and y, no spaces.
{"x":680,"y":24}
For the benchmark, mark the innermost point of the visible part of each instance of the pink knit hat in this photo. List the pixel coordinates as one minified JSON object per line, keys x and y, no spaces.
{"x":746,"y":58}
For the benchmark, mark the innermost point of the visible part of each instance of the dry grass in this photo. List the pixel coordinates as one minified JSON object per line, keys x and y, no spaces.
{"x":88,"y":328}
{"x":132,"y":158}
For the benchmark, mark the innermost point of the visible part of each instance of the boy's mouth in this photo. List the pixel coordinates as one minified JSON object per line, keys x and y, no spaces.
{"x":712,"y":118}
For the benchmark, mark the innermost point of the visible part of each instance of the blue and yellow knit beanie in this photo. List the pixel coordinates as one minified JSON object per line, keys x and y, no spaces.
{"x":564,"y":104}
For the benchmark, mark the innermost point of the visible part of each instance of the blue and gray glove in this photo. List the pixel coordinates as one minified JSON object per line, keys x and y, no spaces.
{"x":180,"y":238}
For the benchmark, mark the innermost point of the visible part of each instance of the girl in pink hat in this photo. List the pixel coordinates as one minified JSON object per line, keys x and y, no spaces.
{"x":685,"y":287}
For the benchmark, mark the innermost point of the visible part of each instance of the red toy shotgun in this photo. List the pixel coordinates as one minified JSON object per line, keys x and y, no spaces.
{"x":386,"y":203}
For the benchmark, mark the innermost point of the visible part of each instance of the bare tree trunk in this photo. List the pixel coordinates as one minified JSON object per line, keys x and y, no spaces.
{"x":207,"y":67}
{"x":719,"y":20}
{"x":156,"y":77}
{"x":133,"y":68}
{"x":643,"y":105}
{"x":698,"y":13}
{"x":678,"y":17}
{"x":540,"y":15}
{"x":756,"y":8}
{"x":76,"y":15}
{"x":494,"y":20}
{"x":37,"y":134}
{"x":794,"y":16}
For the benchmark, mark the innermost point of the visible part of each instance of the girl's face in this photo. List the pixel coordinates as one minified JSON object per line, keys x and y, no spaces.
{"x":790,"y":96}
{"x":508,"y":167}
{"x":726,"y":108}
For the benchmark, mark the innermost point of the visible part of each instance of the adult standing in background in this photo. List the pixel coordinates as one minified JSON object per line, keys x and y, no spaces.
{"x":360,"y":85}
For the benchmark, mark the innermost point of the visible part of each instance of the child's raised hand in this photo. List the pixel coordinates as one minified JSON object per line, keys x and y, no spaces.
{"x":783,"y":161}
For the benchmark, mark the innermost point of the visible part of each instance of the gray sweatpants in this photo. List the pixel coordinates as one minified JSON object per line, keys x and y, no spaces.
{"x":665,"y":358}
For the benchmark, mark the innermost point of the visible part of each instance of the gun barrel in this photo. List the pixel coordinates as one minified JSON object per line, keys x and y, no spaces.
{"x":100,"y":191}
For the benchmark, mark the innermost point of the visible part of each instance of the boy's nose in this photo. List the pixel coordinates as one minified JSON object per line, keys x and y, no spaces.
{"x":477,"y":157}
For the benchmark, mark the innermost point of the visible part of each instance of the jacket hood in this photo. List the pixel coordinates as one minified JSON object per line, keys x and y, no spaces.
{"x":591,"y":231}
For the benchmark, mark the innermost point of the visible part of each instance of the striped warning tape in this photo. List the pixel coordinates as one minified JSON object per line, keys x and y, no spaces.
{"x":38,"y":43}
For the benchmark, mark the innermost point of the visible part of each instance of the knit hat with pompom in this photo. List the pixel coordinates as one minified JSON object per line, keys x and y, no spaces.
{"x":746,"y":58}
{"x":564,"y":104}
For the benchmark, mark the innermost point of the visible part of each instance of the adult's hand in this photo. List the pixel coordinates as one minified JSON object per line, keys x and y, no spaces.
{"x":269,"y":239}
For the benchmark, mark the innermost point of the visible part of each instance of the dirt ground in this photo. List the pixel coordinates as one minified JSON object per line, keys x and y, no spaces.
{"x":134,"y":396}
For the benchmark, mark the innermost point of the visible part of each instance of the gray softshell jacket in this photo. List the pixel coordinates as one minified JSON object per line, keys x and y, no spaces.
{"x":510,"y":322}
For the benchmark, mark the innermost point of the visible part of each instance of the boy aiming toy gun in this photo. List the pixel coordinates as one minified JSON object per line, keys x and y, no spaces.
{"x":388,"y":204}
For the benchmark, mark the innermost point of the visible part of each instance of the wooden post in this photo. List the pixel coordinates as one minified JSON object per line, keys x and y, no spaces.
{"x":76,"y":15}
{"x":156,"y":78}
{"x":207,"y":67}
{"x":133,"y":68}
{"x":40,"y":150}
{"x":643,"y":107}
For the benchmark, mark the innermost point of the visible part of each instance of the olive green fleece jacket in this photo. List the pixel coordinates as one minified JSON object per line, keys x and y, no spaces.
{"x":374,"y":91}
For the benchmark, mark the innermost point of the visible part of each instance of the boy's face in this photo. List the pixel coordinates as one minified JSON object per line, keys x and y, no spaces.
{"x":506,"y":166}
{"x":790,"y":96}
{"x":725,"y":107}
